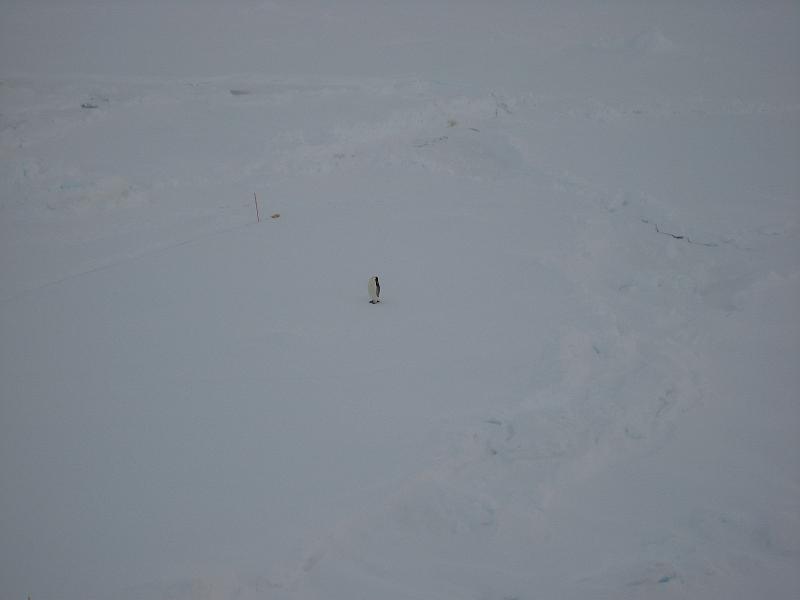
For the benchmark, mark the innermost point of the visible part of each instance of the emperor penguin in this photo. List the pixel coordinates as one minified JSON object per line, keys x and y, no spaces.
{"x":374,"y":288}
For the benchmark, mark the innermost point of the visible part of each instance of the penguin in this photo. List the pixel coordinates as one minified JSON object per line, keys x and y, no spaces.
{"x":374,"y":288}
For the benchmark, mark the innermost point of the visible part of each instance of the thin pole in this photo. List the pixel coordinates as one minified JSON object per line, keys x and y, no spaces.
{"x":255,"y":199}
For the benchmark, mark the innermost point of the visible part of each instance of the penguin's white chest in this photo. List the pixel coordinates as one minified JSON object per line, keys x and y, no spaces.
{"x":374,"y":289}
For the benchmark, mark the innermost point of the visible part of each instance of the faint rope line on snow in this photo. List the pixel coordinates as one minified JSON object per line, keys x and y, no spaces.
{"x":130,"y":258}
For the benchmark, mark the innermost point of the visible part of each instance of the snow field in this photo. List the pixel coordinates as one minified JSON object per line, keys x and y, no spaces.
{"x":581,"y":379}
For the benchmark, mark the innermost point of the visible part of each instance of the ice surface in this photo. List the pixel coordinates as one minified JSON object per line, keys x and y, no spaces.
{"x":581,"y":381}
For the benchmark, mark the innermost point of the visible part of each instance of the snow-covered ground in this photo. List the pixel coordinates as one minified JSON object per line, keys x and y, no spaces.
{"x":582,"y":381}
